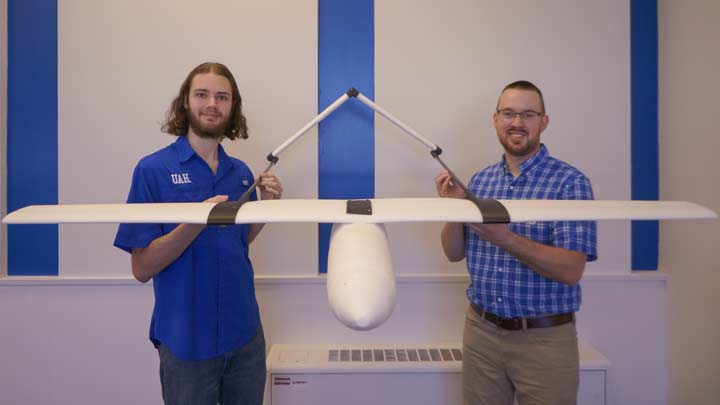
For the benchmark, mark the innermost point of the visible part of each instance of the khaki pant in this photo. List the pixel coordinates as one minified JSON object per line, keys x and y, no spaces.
{"x":535,"y":366}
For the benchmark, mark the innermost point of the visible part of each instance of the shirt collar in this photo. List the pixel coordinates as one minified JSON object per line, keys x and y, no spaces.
{"x":536,"y":159}
{"x":183,"y":148}
{"x":225,"y":163}
{"x":185,"y":152}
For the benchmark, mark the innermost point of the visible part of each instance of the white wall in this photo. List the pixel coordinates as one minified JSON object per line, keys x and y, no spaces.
{"x":689,"y":144}
{"x":85,"y":342}
{"x":439,"y":69}
{"x":121,"y":64}
{"x":116,"y":80}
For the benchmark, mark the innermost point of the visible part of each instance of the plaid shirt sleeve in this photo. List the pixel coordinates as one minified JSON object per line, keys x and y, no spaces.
{"x":579,"y":236}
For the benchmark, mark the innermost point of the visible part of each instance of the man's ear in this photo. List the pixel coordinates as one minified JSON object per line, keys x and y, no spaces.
{"x":545,"y":122}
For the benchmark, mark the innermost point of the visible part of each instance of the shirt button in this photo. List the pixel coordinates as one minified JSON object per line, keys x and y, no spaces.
{"x":511,"y":187}
{"x":499,"y":299}
{"x":500,"y":269}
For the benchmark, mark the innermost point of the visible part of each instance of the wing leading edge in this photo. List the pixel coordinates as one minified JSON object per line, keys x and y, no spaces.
{"x":384,"y":210}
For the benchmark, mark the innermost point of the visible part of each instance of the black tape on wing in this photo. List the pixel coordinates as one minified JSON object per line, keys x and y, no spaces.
{"x":493,"y":212}
{"x":224,"y":213}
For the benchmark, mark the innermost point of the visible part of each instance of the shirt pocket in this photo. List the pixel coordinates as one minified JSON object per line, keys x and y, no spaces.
{"x":185,"y":193}
{"x":235,"y":189}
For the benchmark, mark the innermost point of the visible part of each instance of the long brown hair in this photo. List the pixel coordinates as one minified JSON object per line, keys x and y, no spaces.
{"x":177,"y":121}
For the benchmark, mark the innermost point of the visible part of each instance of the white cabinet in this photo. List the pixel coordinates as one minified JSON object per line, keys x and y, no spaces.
{"x":593,"y":376}
{"x":391,"y":374}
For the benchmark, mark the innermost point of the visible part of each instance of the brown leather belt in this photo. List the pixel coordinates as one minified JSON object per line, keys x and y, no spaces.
{"x":530,"y":323}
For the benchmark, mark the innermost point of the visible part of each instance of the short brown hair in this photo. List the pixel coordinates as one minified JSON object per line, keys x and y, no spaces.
{"x":177,"y":121}
{"x":525,"y":85}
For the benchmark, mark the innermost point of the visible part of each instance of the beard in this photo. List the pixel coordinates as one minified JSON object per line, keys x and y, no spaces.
{"x":208,"y":131}
{"x":528,"y":146}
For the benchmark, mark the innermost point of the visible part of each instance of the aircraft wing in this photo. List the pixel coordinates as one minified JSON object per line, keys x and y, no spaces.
{"x":379,"y":210}
{"x":170,"y":213}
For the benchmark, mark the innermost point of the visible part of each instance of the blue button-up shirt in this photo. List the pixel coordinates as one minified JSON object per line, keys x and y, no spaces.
{"x":205,"y":301}
{"x":501,"y":284}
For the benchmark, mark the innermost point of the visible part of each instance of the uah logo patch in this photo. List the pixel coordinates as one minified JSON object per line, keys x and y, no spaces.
{"x":180,"y":178}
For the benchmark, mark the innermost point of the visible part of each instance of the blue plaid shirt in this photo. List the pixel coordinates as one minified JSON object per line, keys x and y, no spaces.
{"x":501,"y":284}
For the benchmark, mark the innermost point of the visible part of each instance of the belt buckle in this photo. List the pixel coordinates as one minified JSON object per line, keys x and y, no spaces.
{"x":498,"y":322}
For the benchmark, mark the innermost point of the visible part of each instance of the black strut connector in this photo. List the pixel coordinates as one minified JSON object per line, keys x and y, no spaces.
{"x":352,"y":92}
{"x":359,"y":207}
{"x":272,"y":158}
{"x":436,"y":152}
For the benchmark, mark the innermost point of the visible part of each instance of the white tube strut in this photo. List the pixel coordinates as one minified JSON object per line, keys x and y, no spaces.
{"x":396,"y":121}
{"x":327,"y":111}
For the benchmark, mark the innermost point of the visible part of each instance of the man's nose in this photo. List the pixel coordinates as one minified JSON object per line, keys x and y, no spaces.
{"x":517,"y":120}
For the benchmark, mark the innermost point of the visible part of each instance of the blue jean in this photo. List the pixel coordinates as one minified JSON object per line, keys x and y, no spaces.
{"x":237,"y":377}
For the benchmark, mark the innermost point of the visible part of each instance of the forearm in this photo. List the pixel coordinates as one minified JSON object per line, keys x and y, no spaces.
{"x":565,"y":266}
{"x":453,"y":241}
{"x":149,"y":261}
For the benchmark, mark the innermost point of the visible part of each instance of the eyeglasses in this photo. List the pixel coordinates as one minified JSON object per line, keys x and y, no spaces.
{"x":527,"y":115}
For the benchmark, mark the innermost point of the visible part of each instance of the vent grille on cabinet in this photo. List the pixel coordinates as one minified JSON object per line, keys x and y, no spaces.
{"x":394,"y":355}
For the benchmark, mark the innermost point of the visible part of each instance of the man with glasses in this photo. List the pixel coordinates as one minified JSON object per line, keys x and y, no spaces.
{"x":519,"y":339}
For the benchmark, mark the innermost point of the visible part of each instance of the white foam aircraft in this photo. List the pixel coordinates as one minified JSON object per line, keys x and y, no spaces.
{"x":360,"y":279}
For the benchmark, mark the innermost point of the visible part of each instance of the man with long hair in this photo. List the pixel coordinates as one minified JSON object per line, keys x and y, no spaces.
{"x":206,"y":322}
{"x":519,"y":338}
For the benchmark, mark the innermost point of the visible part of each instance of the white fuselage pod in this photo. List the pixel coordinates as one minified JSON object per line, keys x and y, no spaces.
{"x":360,"y":279}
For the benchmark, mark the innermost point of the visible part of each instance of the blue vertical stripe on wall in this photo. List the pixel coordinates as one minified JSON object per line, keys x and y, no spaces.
{"x":346,"y":145}
{"x":32,"y":132}
{"x":644,"y":117}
